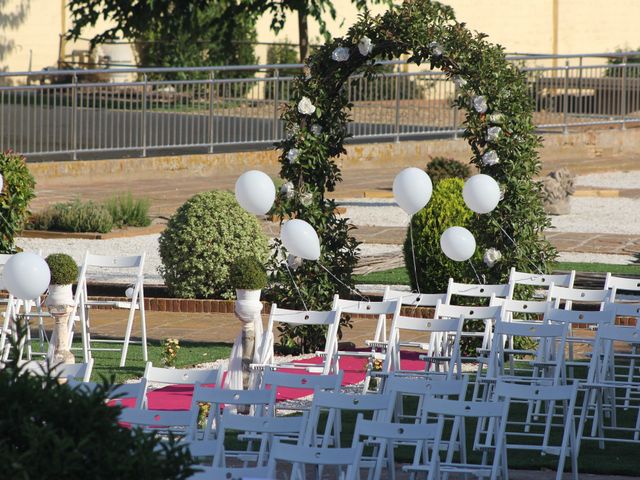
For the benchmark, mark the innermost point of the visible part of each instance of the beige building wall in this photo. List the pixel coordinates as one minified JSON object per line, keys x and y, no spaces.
{"x":523,"y":26}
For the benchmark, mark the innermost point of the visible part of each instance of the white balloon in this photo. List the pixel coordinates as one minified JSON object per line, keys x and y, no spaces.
{"x":458,"y":243}
{"x":481,"y":193}
{"x":129,"y":292}
{"x":26,"y":275}
{"x":412,"y":189}
{"x":300,"y":239}
{"x":255,"y":192}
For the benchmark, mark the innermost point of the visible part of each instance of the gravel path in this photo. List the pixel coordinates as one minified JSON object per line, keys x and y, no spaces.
{"x":386,"y":213}
{"x":627,"y":179}
{"x":600,"y":215}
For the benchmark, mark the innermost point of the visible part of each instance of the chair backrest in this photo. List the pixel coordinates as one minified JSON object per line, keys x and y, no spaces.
{"x":617,"y":284}
{"x":308,"y":455}
{"x":113,"y":261}
{"x":366,"y":308}
{"x":572,"y":317}
{"x":329,"y":319}
{"x":581,"y":295}
{"x":477,"y":290}
{"x":302,"y":381}
{"x":78,"y":371}
{"x":161,"y":421}
{"x":515,"y":309}
{"x":468,"y":312}
{"x":135,"y":391}
{"x":542,"y":279}
{"x":182,"y":376}
{"x":414,"y":299}
{"x":335,"y":403}
{"x":625,"y":310}
{"x":427,"y":386}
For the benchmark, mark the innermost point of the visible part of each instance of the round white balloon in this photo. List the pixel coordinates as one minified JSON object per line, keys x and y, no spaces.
{"x":412,"y":189}
{"x":458,"y":243}
{"x":481,"y":193}
{"x":26,"y":275}
{"x":300,"y":239}
{"x":255,"y":192}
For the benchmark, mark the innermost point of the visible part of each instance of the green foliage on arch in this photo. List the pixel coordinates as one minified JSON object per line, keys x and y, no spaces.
{"x":498,"y":127}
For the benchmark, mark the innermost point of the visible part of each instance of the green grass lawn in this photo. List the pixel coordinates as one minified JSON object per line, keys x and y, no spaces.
{"x":400,"y":275}
{"x":107,"y":363}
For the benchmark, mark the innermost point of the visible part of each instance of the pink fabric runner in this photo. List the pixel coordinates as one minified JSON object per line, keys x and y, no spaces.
{"x":178,"y":397}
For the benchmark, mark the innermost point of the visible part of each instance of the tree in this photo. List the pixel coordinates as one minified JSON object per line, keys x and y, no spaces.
{"x":171,"y":32}
{"x":279,"y":10}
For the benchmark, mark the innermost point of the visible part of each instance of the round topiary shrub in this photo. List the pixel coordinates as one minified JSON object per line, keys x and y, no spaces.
{"x":248,"y":273}
{"x":64,"y":270}
{"x":203,"y":239}
{"x":446,"y":209}
{"x":443,"y":167}
{"x":15,"y":194}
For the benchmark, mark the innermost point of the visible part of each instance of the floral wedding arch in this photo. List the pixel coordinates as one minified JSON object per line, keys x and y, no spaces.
{"x":498,"y":127}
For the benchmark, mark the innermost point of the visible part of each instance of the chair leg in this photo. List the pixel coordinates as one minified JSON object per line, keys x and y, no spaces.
{"x":143,"y":326}
{"x":127,"y":335}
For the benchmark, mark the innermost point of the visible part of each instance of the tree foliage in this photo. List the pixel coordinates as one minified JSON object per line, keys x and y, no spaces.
{"x":428,"y":33}
{"x":180,"y":33}
{"x":17,"y":191}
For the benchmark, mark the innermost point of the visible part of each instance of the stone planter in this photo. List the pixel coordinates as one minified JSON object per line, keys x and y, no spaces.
{"x":59,"y":302}
{"x":247,"y":309}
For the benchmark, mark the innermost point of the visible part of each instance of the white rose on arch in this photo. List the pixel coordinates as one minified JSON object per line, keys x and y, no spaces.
{"x":340,"y":54}
{"x":294,"y":262}
{"x":305,"y":107}
{"x":436,"y":49}
{"x":287,"y":190}
{"x":491,"y":257}
{"x":292,"y":155}
{"x":365,"y":47}
{"x":490,"y":158}
{"x":493,"y":133}
{"x":479,"y":103}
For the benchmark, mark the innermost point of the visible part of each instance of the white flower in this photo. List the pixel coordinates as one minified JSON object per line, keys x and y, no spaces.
{"x":292,"y":155}
{"x":490,"y":157}
{"x":491,"y":257}
{"x":305,"y":107}
{"x":459,"y":81}
{"x":340,"y":54}
{"x":316,"y":129}
{"x":479,"y":103}
{"x":287,"y":190}
{"x":493,"y":133}
{"x":497,"y":118}
{"x":365,"y":46}
{"x":294,"y":262}
{"x":436,"y":49}
{"x":306,"y":199}
{"x":502,"y":190}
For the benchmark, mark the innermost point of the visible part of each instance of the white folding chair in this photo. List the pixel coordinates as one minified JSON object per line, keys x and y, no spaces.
{"x":158,"y":377}
{"x":452,"y":414}
{"x":334,"y":404}
{"x":413,"y":299}
{"x":260,"y":432}
{"x":622,"y":284}
{"x":384,"y":437}
{"x":301,"y":456}
{"x":612,"y":389}
{"x":594,"y":298}
{"x":556,"y":415}
{"x":132,"y":269}
{"x":117,"y":394}
{"x":160,"y":422}
{"x":477,"y":290}
{"x":540,"y":280}
{"x":273,"y":379}
{"x":79,"y":371}
{"x":442,"y":351}
{"x":279,"y":316}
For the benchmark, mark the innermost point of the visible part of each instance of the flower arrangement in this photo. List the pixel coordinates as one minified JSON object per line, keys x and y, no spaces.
{"x":170,"y":352}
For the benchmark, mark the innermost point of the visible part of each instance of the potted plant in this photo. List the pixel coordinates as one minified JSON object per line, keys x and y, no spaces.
{"x":248,"y":276}
{"x":59,"y":302}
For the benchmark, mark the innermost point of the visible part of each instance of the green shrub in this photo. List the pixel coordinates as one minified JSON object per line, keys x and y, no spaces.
{"x":445,"y":209}
{"x":127,"y":211}
{"x":248,"y":273}
{"x":51,"y":431}
{"x":203,"y":239}
{"x":75,"y":216}
{"x":17,"y":192}
{"x":443,"y":167}
{"x":63,"y":269}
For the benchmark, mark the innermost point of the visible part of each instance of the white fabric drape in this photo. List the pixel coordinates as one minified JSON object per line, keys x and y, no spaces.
{"x":234,"y":374}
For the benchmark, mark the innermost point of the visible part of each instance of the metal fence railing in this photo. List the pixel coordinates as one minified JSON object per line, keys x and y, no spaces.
{"x":100,"y":113}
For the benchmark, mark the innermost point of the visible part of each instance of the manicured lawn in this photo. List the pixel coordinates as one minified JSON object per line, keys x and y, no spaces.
{"x":106,"y":363}
{"x":400,"y":276}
